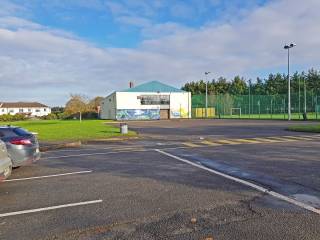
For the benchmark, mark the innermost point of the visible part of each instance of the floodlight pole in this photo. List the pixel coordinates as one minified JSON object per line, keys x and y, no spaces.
{"x":299,"y":99}
{"x":287,"y":47}
{"x":206,"y":73}
{"x":249,"y":98}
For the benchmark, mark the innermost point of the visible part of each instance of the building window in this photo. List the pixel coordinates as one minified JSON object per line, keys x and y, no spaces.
{"x":11,"y":111}
{"x":37,"y":110}
{"x":44,"y":109}
{"x":2,"y":110}
{"x":20,"y":110}
{"x":154,"y":99}
{"x":29,"y":110}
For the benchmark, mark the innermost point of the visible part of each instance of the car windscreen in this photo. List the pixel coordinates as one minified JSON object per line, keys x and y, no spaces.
{"x":21,"y":132}
{"x":7,"y":133}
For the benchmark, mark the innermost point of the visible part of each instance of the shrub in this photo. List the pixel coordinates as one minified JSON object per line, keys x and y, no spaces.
{"x":9,"y":118}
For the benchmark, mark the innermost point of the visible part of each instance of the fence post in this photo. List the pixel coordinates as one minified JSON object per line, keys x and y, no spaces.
{"x":271,"y":109}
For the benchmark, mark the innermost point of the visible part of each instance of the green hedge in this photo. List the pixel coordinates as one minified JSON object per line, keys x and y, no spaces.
{"x":9,"y":118}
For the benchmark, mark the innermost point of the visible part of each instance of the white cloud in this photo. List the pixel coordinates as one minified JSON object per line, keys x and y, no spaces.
{"x":37,"y":63}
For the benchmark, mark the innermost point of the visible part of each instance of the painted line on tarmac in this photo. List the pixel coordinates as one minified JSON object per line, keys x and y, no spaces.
{"x":94,"y":154}
{"x":244,"y":182}
{"x":49,"y":208}
{"x":47,"y":176}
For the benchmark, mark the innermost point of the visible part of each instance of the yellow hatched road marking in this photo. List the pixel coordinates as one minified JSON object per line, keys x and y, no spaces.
{"x":282,"y":139}
{"x":299,"y":138}
{"x":210,"y":143}
{"x":224,"y":141}
{"x":313,"y":137}
{"x":247,"y":140}
{"x":190,"y":144}
{"x":266,"y":140}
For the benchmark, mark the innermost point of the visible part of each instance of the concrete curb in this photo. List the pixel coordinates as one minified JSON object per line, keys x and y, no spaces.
{"x":54,"y":146}
{"x":113,"y":139}
{"x":59,"y":145}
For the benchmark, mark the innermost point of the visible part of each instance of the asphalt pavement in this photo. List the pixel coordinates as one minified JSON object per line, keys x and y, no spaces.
{"x":183,"y":184}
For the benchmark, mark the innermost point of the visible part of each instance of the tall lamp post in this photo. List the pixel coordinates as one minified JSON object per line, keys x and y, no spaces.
{"x":250,"y":98}
{"x":207,"y":73}
{"x":287,"y":47}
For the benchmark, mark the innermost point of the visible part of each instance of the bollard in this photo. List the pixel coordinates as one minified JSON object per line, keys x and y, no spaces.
{"x":123,"y":128}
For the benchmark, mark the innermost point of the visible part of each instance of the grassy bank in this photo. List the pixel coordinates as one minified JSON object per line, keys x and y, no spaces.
{"x":306,"y":128}
{"x":62,"y":130}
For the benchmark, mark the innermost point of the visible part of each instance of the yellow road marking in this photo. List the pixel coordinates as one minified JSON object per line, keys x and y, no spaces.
{"x":265,"y":140}
{"x":282,"y":139}
{"x":190,"y":144}
{"x":247,"y":140}
{"x":313,"y":137}
{"x":224,"y":141}
{"x":210,"y":143}
{"x":299,"y":138}
{"x":257,"y":140}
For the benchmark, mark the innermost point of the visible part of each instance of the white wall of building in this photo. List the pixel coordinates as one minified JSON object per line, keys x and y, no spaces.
{"x":37,"y":112}
{"x":180,"y":105}
{"x":130,"y":100}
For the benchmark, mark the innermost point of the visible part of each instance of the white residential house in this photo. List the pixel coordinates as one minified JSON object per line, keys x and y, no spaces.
{"x":28,"y":108}
{"x":148,"y":101}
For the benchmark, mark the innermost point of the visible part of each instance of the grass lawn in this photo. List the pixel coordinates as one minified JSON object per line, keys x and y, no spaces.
{"x":306,"y":128}
{"x":61,"y":130}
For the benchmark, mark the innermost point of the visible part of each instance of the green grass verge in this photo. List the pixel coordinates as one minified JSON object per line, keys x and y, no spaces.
{"x":305,"y":128}
{"x":63,"y":130}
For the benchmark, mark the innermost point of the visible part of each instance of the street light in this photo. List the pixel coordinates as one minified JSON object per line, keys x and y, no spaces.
{"x":287,"y":47}
{"x":206,"y":73}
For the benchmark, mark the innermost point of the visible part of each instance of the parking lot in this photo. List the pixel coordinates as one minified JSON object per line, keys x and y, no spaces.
{"x":191,"y":179}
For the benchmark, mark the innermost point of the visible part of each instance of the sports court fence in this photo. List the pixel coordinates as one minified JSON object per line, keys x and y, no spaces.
{"x":257,"y":106}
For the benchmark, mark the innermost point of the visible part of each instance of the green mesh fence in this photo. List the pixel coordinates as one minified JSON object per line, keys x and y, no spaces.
{"x":260,"y":106}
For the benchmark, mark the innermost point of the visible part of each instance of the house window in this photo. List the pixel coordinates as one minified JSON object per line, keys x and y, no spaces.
{"x":11,"y":111}
{"x":37,"y":110}
{"x":29,"y":110}
{"x":20,"y":110}
{"x":44,"y":109}
{"x":2,"y":110}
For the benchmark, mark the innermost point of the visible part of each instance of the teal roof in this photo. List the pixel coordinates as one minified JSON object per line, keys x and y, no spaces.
{"x":153,"y":86}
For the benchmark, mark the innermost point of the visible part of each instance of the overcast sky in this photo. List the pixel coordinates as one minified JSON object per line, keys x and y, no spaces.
{"x":51,"y":48}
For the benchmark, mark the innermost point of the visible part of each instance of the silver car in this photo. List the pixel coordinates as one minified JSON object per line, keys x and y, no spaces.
{"x":5,"y":162}
{"x":22,"y":146}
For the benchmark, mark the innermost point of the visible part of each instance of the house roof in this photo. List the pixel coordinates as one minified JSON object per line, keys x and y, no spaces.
{"x":153,"y":86}
{"x":21,"y":105}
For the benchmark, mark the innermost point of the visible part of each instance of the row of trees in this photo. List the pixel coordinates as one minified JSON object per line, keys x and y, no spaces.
{"x":275,"y":84}
{"x":78,"y":106}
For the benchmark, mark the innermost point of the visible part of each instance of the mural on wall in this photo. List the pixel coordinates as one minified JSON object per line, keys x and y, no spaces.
{"x":138,"y":114}
{"x":179,"y":113}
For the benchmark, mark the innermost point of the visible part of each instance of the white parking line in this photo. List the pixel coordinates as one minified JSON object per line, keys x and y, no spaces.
{"x":101,"y":153}
{"x":49,"y":208}
{"x":77,"y":150}
{"x":244,"y":182}
{"x":47,"y":176}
